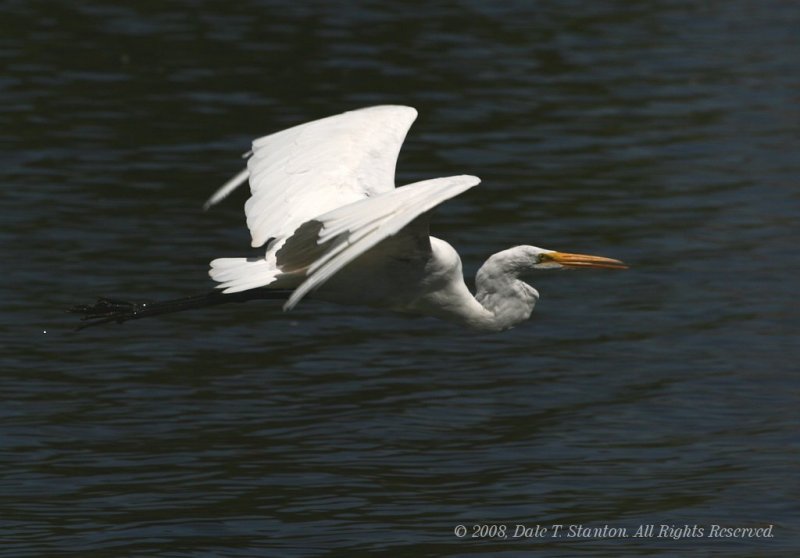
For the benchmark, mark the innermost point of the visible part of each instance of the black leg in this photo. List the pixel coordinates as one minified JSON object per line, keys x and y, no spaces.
{"x":108,"y":310}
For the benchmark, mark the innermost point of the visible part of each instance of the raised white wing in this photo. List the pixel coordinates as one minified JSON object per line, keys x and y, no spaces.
{"x":305,"y":171}
{"x":353,"y":229}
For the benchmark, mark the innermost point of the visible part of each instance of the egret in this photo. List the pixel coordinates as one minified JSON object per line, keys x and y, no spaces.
{"x":324,"y":206}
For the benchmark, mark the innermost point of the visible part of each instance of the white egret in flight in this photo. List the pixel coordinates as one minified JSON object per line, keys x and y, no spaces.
{"x":324,"y":203}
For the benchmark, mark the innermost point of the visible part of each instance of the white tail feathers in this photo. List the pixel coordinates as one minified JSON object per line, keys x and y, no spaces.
{"x":241,"y":274}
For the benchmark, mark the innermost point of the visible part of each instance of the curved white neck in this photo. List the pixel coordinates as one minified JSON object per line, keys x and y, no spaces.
{"x":501,"y":300}
{"x":499,"y":290}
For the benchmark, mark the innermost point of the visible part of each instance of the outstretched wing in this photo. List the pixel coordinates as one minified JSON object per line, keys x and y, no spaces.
{"x":311,"y":169}
{"x":329,"y":242}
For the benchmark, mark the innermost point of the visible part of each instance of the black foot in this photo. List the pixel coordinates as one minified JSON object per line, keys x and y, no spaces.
{"x":107,"y":310}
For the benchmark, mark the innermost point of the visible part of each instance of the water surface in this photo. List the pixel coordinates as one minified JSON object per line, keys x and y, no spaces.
{"x":661,"y":133}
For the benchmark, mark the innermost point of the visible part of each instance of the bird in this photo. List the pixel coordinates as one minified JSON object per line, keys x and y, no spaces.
{"x":330,"y":224}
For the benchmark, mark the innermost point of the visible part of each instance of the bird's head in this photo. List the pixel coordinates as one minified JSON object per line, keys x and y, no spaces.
{"x":541,"y":258}
{"x":500,"y":282}
{"x":521,"y":260}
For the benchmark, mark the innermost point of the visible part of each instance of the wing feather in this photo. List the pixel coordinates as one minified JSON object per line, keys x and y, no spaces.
{"x":355,"y":228}
{"x":310,"y":169}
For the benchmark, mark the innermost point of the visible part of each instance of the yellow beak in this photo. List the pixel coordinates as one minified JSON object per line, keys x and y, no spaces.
{"x":583,"y":260}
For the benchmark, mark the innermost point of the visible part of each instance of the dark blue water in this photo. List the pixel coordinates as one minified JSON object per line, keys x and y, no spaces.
{"x":661,"y":133}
